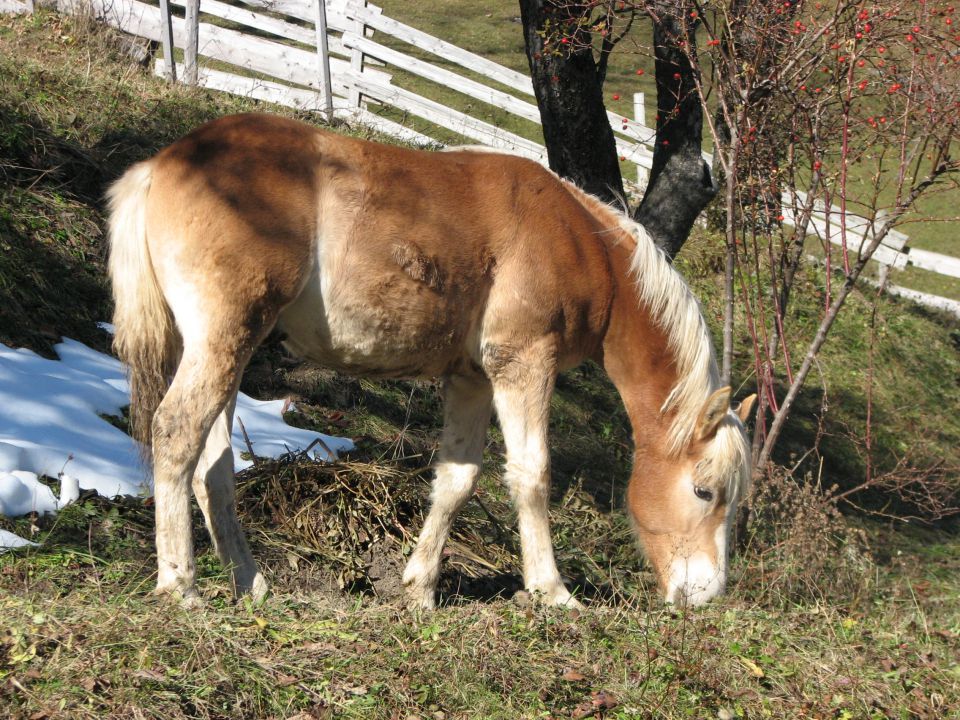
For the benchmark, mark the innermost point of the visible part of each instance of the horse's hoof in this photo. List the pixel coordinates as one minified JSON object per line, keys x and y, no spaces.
{"x":419,"y":598}
{"x":187,"y":597}
{"x":191,"y":600}
{"x":558,"y":597}
{"x":259,"y":589}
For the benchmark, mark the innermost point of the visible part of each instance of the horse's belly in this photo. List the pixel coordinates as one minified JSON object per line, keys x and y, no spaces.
{"x":390,"y":333}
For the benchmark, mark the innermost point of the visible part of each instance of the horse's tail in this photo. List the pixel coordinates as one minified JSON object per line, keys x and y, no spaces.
{"x":145,"y":337}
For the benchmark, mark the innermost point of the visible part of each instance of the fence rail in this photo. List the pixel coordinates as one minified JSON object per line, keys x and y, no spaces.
{"x":16,"y":7}
{"x":280,"y":57}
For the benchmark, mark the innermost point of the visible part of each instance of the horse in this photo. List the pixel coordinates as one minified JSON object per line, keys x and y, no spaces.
{"x":484,"y":270}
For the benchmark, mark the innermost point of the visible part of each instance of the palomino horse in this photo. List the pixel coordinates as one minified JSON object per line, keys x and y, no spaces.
{"x":484,"y":270}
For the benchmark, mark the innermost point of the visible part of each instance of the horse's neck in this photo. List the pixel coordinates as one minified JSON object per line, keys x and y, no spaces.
{"x":636,"y":355}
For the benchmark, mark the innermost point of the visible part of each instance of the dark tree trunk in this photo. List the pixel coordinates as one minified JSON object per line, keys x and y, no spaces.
{"x":569,"y":90}
{"x":681,"y":183}
{"x":568,"y":83}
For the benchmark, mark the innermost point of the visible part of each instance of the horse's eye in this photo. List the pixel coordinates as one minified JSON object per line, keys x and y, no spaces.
{"x":703,"y":493}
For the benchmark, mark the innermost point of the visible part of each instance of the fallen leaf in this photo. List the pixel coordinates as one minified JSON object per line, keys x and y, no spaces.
{"x":603,"y":700}
{"x":318,"y":647}
{"x":599,"y":702}
{"x":151,"y":675}
{"x":571,"y":675}
{"x":750,"y":665}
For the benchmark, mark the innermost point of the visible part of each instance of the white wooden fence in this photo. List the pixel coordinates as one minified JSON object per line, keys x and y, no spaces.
{"x":281,"y":57}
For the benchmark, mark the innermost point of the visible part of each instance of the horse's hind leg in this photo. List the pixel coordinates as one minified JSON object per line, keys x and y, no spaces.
{"x":205,"y":382}
{"x":466,"y":418}
{"x":215,"y":490}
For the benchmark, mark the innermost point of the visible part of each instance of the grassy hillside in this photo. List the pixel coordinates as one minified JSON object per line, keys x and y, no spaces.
{"x":827,"y":616}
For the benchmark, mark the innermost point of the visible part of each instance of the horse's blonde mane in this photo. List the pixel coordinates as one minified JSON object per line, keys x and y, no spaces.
{"x":665,"y":294}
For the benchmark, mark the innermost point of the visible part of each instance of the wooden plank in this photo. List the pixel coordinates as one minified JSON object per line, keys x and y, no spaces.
{"x":441,"y":48}
{"x":859,"y":226}
{"x":323,"y":56}
{"x":926,"y":299}
{"x":358,"y":29}
{"x":259,"y":21}
{"x":302,"y":99}
{"x":191,"y":43}
{"x":256,"y":88}
{"x":454,"y":120}
{"x":934,"y":262}
{"x":445,"y":77}
{"x":337,"y":19}
{"x":633,"y":129}
{"x":299,"y":9}
{"x":166,"y":37}
{"x":15,"y":7}
{"x":855,"y":242}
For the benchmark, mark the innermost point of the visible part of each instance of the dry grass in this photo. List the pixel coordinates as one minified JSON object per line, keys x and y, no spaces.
{"x":81,"y":637}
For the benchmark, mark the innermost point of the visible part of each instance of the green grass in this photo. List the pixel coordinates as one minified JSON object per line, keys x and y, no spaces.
{"x":826,"y":616}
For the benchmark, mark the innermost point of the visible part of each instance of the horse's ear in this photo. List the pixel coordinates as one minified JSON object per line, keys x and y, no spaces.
{"x":745,"y":407}
{"x":714,"y":410}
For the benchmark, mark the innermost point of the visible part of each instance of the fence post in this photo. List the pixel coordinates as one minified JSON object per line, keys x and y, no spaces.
{"x":191,"y":47}
{"x":166,"y":34}
{"x":323,"y":56}
{"x":356,"y":57}
{"x":640,"y":115}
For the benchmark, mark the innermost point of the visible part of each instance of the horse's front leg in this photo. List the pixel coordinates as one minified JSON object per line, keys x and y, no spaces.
{"x":467,"y":403}
{"x":522,"y":385}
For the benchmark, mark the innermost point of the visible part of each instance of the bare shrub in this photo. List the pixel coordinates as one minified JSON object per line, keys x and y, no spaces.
{"x":800,"y":548}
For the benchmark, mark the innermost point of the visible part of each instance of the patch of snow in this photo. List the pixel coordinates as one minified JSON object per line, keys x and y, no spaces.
{"x":51,"y":425}
{"x":9,"y":540}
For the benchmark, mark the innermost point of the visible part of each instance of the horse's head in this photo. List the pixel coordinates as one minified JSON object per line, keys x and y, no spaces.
{"x":683,"y":505}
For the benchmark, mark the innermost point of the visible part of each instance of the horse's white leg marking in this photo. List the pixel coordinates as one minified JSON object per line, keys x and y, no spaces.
{"x":521,"y":395}
{"x":200,"y":390}
{"x":467,"y":404}
{"x":215,"y":490}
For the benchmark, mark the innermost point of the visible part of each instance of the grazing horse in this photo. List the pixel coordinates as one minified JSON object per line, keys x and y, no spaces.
{"x":484,"y":270}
